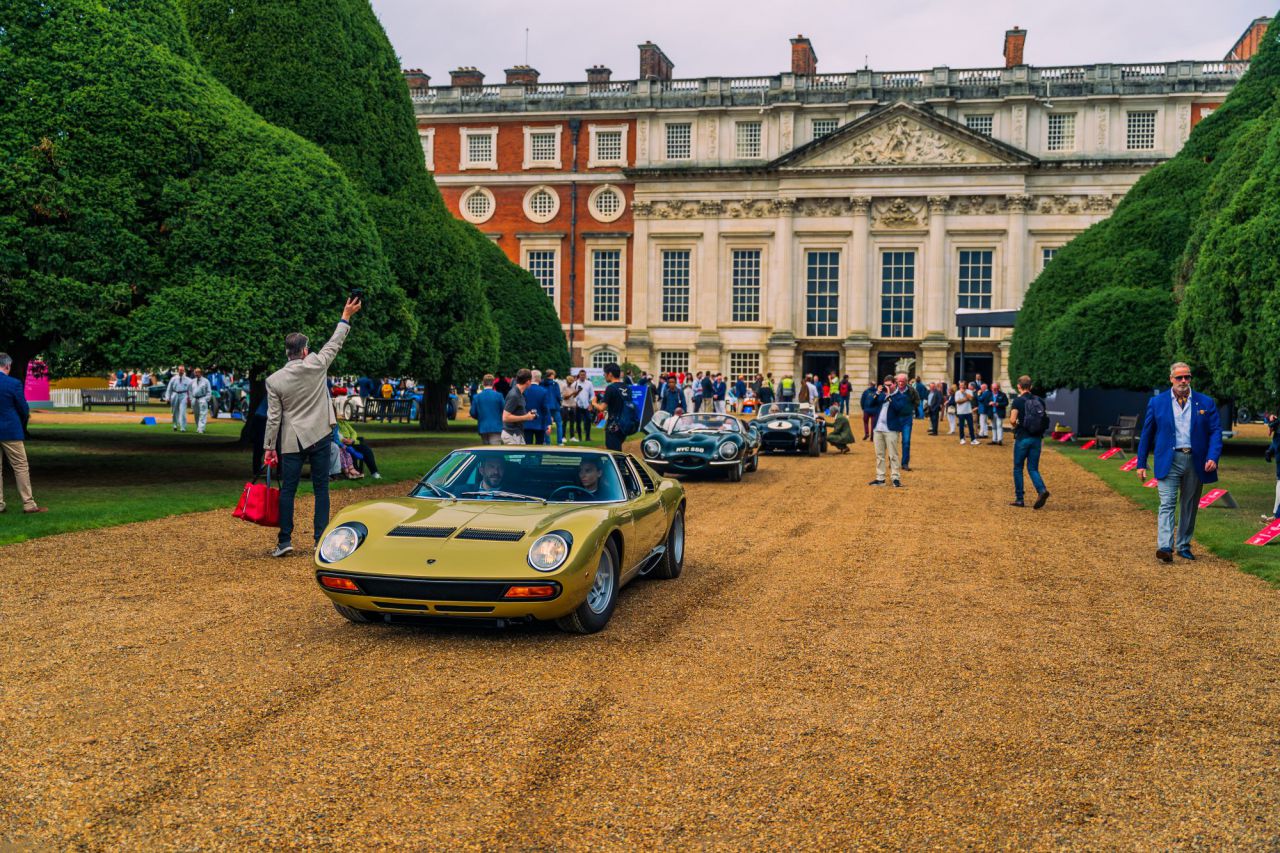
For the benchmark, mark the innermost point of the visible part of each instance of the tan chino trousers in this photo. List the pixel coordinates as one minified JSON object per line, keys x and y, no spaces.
{"x":888,"y":444}
{"x":16,"y":453}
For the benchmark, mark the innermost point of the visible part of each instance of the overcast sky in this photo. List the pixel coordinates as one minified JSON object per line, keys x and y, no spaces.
{"x":707,"y":38}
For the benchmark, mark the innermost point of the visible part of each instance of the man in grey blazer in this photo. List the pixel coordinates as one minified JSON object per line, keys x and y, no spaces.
{"x":300,"y":424}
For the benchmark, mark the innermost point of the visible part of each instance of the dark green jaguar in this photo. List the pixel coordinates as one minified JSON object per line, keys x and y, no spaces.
{"x":700,"y":443}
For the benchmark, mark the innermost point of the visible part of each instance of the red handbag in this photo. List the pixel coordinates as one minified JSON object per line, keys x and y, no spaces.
{"x":259,"y":503}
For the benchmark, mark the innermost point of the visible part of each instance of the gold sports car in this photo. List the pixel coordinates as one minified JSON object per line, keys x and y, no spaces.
{"x":506,"y":534}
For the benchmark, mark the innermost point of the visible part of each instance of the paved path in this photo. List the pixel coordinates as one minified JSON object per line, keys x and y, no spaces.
{"x":823,"y":674}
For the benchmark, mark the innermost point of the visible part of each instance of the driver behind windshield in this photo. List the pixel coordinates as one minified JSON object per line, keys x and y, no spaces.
{"x":589,"y":473}
{"x":492,"y":472}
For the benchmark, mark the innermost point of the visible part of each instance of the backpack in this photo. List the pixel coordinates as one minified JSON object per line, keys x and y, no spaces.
{"x":628,"y":421}
{"x":1036,"y":419}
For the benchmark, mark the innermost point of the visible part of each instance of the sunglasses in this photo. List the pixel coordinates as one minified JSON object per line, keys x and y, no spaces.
{"x":1184,"y":378}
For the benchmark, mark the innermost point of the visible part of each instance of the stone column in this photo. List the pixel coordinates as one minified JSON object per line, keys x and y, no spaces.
{"x":934,"y":346}
{"x":857,"y":344}
{"x":707,"y":287}
{"x":1016,"y":280}
{"x":782,"y":341}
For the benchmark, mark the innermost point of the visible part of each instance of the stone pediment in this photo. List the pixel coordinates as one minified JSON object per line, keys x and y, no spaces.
{"x":902,"y":136}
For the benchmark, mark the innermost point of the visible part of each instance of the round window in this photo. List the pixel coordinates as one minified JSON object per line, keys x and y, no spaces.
{"x":607,"y":203}
{"x":477,"y":205}
{"x":541,"y":204}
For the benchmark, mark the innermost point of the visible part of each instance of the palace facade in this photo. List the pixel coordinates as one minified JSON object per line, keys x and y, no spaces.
{"x":800,"y":222}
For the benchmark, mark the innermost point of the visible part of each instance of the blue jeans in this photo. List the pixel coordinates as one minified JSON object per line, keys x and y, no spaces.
{"x":559,"y":422}
{"x":966,"y":420}
{"x":906,"y":445}
{"x":1025,"y":449}
{"x":319,"y":455}
{"x":1181,"y":489}
{"x":844,"y":404}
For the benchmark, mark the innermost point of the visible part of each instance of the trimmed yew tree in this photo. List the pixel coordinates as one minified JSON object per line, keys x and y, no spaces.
{"x":148,"y":217}
{"x":1149,"y":243}
{"x":325,"y":69}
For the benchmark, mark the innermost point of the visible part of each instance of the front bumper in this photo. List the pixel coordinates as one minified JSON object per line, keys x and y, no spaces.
{"x":479,"y":599}
{"x":785,"y":441}
{"x":692,"y":464}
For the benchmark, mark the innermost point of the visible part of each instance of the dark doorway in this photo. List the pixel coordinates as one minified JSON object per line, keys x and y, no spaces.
{"x":887,"y":364}
{"x":821,"y":364}
{"x":974,"y":363}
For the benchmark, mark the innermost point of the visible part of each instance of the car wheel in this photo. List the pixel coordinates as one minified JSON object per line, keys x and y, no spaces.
{"x":735,"y":473}
{"x":754,"y":464}
{"x":813,"y":445}
{"x":360,"y":617}
{"x":824,"y":443}
{"x":594,"y":612}
{"x":672,"y":562}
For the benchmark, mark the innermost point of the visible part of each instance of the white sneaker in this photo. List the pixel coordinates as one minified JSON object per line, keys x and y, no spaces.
{"x":377,"y":476}
{"x":962,"y":441}
{"x":282,"y":550}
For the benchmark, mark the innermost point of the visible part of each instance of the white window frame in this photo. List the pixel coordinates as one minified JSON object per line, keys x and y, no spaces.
{"x":664,"y":369}
{"x":813,"y":126}
{"x":1155,"y":129}
{"x":533,"y":215}
{"x":594,"y":161}
{"x":427,"y":137}
{"x":467,"y":214}
{"x":990,"y":115}
{"x":748,"y":375}
{"x":841,"y":271}
{"x":609,"y":355}
{"x":464,"y":155}
{"x":606,"y":244}
{"x":1044,"y":261}
{"x":997,"y":283}
{"x":529,"y":161}
{"x":917,"y":321}
{"x":738,"y":128}
{"x":660,"y":267}
{"x":1066,"y":144}
{"x":594,"y":197}
{"x":666,"y":140}
{"x":544,"y":244}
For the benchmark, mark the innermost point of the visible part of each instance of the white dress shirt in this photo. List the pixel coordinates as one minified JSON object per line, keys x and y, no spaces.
{"x":1181,"y":422}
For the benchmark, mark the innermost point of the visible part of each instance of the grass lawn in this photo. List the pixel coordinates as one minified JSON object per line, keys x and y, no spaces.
{"x":95,"y":475}
{"x":1251,"y":481}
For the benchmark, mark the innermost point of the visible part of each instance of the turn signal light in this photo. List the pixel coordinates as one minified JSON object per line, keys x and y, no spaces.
{"x":342,"y":584}
{"x":530,"y":591}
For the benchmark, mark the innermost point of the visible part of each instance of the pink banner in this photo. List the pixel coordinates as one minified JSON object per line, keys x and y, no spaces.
{"x":1151,"y":484}
{"x":1089,"y":444}
{"x":36,"y":388}
{"x":1112,"y":452}
{"x":1066,"y":436}
{"x":1211,"y":496}
{"x":1130,"y":465}
{"x":1265,"y":535}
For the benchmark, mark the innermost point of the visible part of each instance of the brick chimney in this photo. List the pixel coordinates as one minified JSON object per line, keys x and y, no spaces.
{"x":654,"y":64}
{"x":523,"y":75}
{"x":466,"y":76}
{"x":803,"y":59}
{"x":1014,"y":40}
{"x":599,"y":74}
{"x":416,"y":79}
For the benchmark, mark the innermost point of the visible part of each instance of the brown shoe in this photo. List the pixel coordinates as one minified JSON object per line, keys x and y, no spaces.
{"x":1164,"y":556}
{"x":37,"y":509}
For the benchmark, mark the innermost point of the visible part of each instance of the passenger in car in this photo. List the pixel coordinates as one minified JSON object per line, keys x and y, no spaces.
{"x":589,"y":472}
{"x":492,"y":472}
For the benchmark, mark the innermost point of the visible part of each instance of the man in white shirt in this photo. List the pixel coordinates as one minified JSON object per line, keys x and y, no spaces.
{"x":177,"y":394}
{"x":201,"y":392}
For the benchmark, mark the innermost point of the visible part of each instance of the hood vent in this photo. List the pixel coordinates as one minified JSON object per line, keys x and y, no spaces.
{"x":491,"y":535}
{"x":422,"y":532}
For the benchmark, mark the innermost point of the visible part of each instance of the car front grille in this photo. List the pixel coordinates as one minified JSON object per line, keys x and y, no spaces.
{"x":422,"y":532}
{"x":491,"y":535}
{"x":417,"y":589}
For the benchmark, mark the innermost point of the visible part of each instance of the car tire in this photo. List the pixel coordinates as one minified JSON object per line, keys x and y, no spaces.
{"x":813,"y":445}
{"x":824,"y":443}
{"x":360,"y":617}
{"x":754,"y":464}
{"x":588,"y":619}
{"x":735,"y":473}
{"x":672,"y":562}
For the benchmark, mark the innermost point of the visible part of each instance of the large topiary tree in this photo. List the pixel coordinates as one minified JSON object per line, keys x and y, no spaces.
{"x":325,"y":69}
{"x":147,"y":216}
{"x":1145,"y":244}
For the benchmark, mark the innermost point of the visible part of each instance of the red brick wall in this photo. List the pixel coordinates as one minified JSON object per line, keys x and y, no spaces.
{"x":1198,"y":111}
{"x":1249,"y":43}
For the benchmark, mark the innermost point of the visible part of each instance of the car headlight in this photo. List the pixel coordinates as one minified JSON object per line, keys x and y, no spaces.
{"x":651,"y":447}
{"x":729,"y":450}
{"x":548,"y":552}
{"x":805,"y":430}
{"x":342,"y":541}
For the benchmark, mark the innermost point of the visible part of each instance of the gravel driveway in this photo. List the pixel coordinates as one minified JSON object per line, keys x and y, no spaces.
{"x":839,"y":665}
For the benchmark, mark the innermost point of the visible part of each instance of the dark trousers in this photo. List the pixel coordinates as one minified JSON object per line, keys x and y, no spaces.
{"x":612,"y":440}
{"x":366,"y":452}
{"x":963,"y":420}
{"x":535,"y":436}
{"x":933,"y":421}
{"x":584,"y":419}
{"x":318,"y":456}
{"x":844,"y":404}
{"x":258,"y":435}
{"x":867,"y":419}
{"x":906,"y":445}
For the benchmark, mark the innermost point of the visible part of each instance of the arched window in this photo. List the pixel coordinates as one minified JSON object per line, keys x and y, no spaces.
{"x":602,"y":357}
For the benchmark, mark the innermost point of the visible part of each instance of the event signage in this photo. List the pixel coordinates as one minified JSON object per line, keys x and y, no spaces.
{"x":1130,"y":465}
{"x":1220,"y":496}
{"x":1112,"y":452}
{"x":36,"y":386}
{"x":1088,"y":445}
{"x":1151,"y":484}
{"x":1265,"y":535}
{"x":1066,"y":436}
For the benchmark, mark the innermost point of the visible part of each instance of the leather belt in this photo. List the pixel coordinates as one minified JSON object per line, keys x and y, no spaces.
{"x":1183,"y":449}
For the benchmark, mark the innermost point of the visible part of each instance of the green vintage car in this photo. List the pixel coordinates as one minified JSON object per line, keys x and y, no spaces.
{"x":701,"y":443}
{"x":496,"y":535}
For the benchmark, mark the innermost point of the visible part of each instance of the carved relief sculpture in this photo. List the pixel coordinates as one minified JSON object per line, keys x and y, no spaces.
{"x":974,"y":205}
{"x":901,"y":141}
{"x":900,"y":213}
{"x":1102,"y":118}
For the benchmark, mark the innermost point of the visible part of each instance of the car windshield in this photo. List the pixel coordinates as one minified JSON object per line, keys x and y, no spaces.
{"x":704,"y":423}
{"x":522,"y":474}
{"x":786,"y":409}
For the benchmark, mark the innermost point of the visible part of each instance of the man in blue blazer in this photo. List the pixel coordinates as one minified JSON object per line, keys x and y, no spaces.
{"x":1183,"y":429}
{"x":486,"y":408}
{"x":14,"y":413}
{"x":535,"y":401}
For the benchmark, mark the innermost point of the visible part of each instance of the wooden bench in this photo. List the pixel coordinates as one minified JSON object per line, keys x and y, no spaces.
{"x":381,"y":409}
{"x":1124,"y":431}
{"x":126,"y":397}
